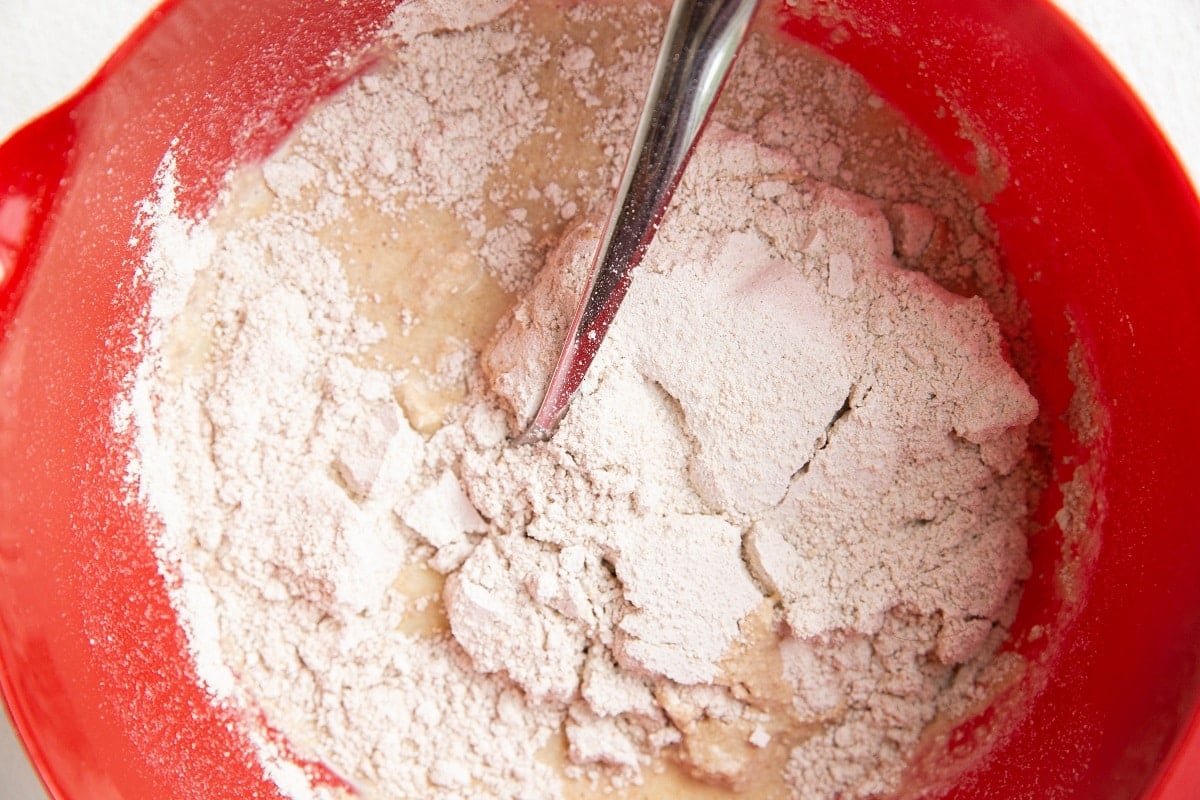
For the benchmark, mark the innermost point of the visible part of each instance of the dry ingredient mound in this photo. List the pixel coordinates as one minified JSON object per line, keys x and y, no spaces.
{"x":778,"y":534}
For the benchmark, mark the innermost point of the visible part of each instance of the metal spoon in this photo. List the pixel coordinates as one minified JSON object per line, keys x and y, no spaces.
{"x":699,"y":45}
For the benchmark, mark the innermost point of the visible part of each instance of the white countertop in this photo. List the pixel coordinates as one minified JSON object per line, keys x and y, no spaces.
{"x":52,"y":46}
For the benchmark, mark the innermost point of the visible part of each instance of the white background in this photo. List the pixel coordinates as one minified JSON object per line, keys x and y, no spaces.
{"x":51,"y":46}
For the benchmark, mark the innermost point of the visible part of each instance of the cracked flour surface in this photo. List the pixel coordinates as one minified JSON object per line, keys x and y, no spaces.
{"x":778,"y":533}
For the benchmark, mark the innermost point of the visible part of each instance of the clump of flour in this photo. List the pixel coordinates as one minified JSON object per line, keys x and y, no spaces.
{"x":778,"y":533}
{"x":852,"y":459}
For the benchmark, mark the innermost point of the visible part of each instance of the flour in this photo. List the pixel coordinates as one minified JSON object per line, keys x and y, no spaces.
{"x":779,"y":531}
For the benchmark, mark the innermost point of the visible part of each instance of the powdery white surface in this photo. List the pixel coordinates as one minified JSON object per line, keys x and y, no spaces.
{"x":1154,"y":47}
{"x":52,"y":46}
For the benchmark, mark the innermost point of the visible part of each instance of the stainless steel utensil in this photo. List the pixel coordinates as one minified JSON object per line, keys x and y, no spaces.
{"x":701,"y":40}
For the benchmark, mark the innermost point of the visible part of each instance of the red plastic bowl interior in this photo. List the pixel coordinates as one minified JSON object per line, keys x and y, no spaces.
{"x":1098,"y":226}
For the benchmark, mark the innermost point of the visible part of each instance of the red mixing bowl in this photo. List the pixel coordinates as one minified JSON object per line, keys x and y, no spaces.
{"x":1098,"y":226}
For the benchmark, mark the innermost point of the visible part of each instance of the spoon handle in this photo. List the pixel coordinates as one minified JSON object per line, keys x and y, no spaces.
{"x":699,"y":45}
